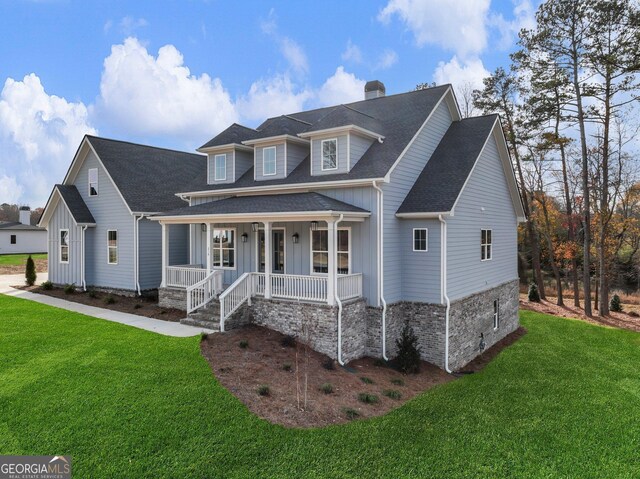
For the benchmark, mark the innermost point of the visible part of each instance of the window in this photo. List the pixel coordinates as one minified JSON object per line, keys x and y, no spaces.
{"x":220,"y":166}
{"x":320,"y":251}
{"x":93,"y":181}
{"x":329,"y":154}
{"x":496,"y":314}
{"x":420,"y":239}
{"x":64,"y":246}
{"x":485,"y":245}
{"x":112,"y":247}
{"x":13,"y":239}
{"x":224,"y":249}
{"x":269,"y":161}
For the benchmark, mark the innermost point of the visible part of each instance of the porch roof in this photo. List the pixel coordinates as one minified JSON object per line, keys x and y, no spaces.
{"x":299,"y":205}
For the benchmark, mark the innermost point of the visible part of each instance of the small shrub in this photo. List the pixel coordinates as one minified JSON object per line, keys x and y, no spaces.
{"x":351,"y":413}
{"x":137,"y":306}
{"x":264,"y":390}
{"x":244,"y":344}
{"x":70,"y":288}
{"x":408,"y":358}
{"x":615,"y":305}
{"x":366,"y":380}
{"x":326,"y":388}
{"x":392,"y":393}
{"x":109,"y":300}
{"x":203,"y":336}
{"x":286,"y":367}
{"x":47,"y":285}
{"x":30,"y":272}
{"x":368,"y":398}
{"x":633,"y":314}
{"x":534,"y":294}
{"x":329,"y":364}
{"x":92,"y":293}
{"x":397,"y":381}
{"x":380,"y":363}
{"x":288,"y":342}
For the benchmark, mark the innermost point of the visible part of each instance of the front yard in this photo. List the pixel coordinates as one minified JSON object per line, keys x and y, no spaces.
{"x":564,"y":400}
{"x":15,"y":263}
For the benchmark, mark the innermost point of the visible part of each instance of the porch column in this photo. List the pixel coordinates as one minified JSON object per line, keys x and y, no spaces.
{"x":331,"y":273}
{"x":268,"y":258}
{"x":209,"y":243}
{"x":165,"y":253}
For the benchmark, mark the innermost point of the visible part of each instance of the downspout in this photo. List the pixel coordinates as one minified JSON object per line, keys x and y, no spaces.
{"x":337,"y":296}
{"x":84,"y":281}
{"x":444,"y":298}
{"x":381,"y":268}
{"x":136,"y":264}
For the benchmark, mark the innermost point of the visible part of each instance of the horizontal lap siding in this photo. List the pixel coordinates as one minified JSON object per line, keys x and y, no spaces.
{"x":396,"y":245}
{"x":421,"y":269}
{"x":211,"y":164}
{"x":342,"y":160}
{"x":280,"y":172}
{"x":33,"y":241}
{"x":486,"y":188}
{"x":61,"y":273}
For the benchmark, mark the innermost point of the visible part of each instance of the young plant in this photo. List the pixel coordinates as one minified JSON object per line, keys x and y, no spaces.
{"x":286,"y":367}
{"x":109,"y":300}
{"x":366,"y":380}
{"x":326,"y":388}
{"x":534,"y":295}
{"x":408,"y":358}
{"x":380,"y":363}
{"x":69,"y":288}
{"x":397,"y":381}
{"x":92,"y":293}
{"x":351,"y":413}
{"x":615,"y":305}
{"x":264,"y":390}
{"x":329,"y":364}
{"x":392,"y":393}
{"x":244,"y":344}
{"x":30,"y":272}
{"x":368,"y":398}
{"x":203,"y":336}
{"x":47,"y":285}
{"x":137,"y":306}
{"x":288,"y":342}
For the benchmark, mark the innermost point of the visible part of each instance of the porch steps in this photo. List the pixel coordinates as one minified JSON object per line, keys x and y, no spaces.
{"x":207,"y":317}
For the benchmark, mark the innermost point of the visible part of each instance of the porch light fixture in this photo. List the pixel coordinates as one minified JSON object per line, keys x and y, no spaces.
{"x":244,"y":237}
{"x":203,"y":227}
{"x":295,"y":238}
{"x":314,"y":225}
{"x":254,"y":227}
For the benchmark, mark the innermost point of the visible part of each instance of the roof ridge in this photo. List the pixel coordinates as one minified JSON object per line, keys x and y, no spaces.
{"x":358,"y":111}
{"x":143,"y":145}
{"x":297,"y":119}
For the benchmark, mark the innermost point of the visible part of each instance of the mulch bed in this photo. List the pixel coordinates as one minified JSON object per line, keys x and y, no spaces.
{"x":41,"y":267}
{"x":126,"y":304}
{"x":262,"y":363}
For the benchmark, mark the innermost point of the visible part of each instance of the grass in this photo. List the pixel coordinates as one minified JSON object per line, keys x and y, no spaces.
{"x":564,"y":401}
{"x":18,"y":259}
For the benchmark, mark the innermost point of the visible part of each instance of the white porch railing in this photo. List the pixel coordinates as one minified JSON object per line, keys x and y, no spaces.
{"x":299,"y":287}
{"x":202,"y":292}
{"x":237,"y":294}
{"x":350,"y":286}
{"x":183,"y":276}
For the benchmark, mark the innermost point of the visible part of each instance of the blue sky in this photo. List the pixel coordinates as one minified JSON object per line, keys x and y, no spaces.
{"x":174,"y":73}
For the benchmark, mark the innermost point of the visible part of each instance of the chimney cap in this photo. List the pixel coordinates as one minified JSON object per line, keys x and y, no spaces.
{"x":25,"y":208}
{"x":374,"y":85}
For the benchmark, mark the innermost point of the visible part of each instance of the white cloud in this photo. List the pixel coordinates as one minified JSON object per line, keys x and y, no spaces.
{"x":272,"y":97}
{"x":352,"y":53}
{"x":461,"y":73}
{"x":290,"y":49}
{"x":460,"y":25}
{"x":341,"y":87}
{"x":387,"y":59}
{"x":129,"y":24}
{"x":39,"y":133}
{"x":147,"y":95}
{"x":523,"y":17}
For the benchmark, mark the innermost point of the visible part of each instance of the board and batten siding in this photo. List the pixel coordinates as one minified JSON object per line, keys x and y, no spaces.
{"x":485,"y":203}
{"x":71,"y":272}
{"x":280,"y":170}
{"x":421,"y":269}
{"x":403,"y":177}
{"x":316,"y":155}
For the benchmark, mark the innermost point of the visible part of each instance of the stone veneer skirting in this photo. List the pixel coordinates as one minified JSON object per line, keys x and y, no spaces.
{"x":172,"y":298}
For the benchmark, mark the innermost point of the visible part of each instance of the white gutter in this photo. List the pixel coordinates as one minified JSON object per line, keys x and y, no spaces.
{"x":136,"y":251}
{"x":381,"y":268}
{"x":337,"y":296}
{"x":84,"y":281}
{"x":444,"y":298}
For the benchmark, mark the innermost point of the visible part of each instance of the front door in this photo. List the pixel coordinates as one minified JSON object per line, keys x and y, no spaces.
{"x":277,"y":251}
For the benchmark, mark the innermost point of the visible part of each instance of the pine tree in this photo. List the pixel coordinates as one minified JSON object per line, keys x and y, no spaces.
{"x":408,"y":358}
{"x":30,"y":272}
{"x":615,"y":305}
{"x":534,"y":296}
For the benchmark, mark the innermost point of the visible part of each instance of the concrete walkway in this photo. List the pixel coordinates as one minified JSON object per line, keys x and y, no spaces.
{"x":166,"y":328}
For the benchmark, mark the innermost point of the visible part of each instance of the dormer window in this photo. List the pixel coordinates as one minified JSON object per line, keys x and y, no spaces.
{"x":329,"y":154}
{"x":269,"y":161}
{"x":220,"y":167}
{"x":93,"y":181}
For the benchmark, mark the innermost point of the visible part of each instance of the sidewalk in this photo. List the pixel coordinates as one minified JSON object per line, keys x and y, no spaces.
{"x":166,"y":328}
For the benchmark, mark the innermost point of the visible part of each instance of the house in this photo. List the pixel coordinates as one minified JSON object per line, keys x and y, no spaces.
{"x":336,"y":225}
{"x":21,"y":237}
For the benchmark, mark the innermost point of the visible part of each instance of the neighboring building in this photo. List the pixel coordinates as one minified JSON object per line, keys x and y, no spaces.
{"x":371,"y":214}
{"x":22,"y":237}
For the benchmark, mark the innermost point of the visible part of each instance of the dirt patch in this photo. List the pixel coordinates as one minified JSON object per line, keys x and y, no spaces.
{"x":126,"y":304}
{"x":41,"y":267}
{"x":615,"y":320}
{"x":266,"y":361}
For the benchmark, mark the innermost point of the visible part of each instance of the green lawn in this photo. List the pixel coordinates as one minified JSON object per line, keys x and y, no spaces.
{"x":18,"y":259}
{"x":564,"y":401}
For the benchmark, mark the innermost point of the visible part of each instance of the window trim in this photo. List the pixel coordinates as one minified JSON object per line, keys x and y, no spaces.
{"x":426,"y":240}
{"x":311,"y":250}
{"x":60,"y":246}
{"x":496,"y":314}
{"x":235,"y":249}
{"x":483,"y":246}
{"x":257,"y":246}
{"x":275,"y":160}
{"x":89,"y":183}
{"x":13,"y":239}
{"x":322,"y":142}
{"x":109,"y":248}
{"x":215,"y":167}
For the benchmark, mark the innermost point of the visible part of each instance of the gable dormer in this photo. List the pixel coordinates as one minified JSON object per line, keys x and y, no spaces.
{"x":276,"y":157}
{"x":227,"y":158}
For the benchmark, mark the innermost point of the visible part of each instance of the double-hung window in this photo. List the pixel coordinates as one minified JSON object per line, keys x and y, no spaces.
{"x":320,"y":251}
{"x":220,"y":167}
{"x":496,"y":314}
{"x":112,"y":247}
{"x":13,"y":239}
{"x":420,"y":239}
{"x":64,"y":246}
{"x":93,"y":181}
{"x":269,"y":161}
{"x":224,"y":249}
{"x":329,"y":154}
{"x":485,"y":245}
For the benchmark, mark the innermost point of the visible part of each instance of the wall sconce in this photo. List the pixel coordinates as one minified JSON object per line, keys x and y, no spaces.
{"x":314,"y":225}
{"x":295,"y":238}
{"x":203,"y":227}
{"x":254,"y":227}
{"x":244,"y":237}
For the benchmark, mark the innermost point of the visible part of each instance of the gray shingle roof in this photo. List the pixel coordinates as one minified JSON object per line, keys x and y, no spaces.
{"x":289,"y":203}
{"x":234,"y":134}
{"x":343,"y":115}
{"x":76,"y":205}
{"x":15,"y":226}
{"x":149,"y":177}
{"x":442,"y":179}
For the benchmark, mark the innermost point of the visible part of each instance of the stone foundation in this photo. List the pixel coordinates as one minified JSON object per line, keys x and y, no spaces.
{"x":172,"y":298}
